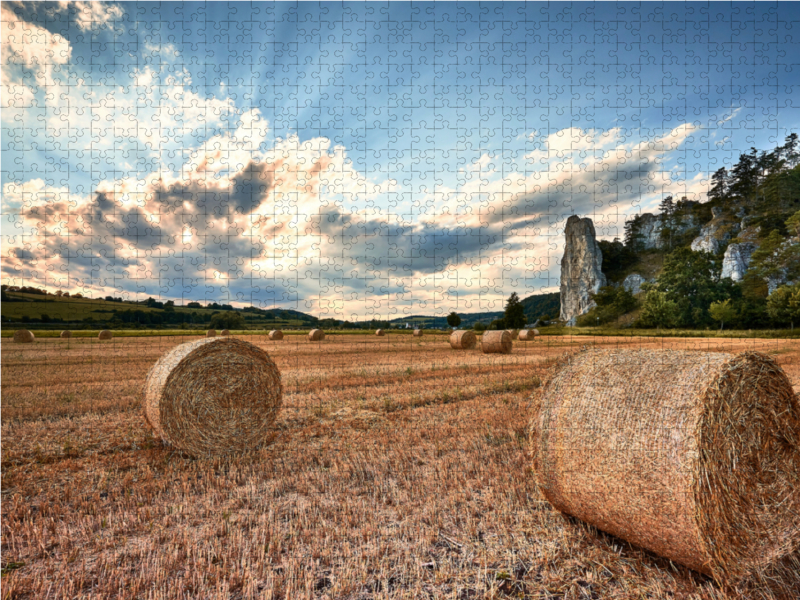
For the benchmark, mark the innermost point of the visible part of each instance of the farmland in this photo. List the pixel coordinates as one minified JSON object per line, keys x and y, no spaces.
{"x":398,"y":469}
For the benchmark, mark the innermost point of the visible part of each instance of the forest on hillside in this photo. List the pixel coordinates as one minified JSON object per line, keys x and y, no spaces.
{"x":733,"y":261}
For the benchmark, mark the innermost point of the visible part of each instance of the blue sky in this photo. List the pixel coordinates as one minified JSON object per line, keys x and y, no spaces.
{"x":353,"y":160}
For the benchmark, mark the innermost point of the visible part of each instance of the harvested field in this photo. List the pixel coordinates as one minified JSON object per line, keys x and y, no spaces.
{"x":398,"y":470}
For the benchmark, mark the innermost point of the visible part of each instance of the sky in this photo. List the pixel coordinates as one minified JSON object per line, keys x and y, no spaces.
{"x":365,"y":160}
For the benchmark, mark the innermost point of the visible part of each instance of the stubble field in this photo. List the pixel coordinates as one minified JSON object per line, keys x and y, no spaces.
{"x":398,"y":469}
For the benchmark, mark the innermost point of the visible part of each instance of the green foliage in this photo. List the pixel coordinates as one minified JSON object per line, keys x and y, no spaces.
{"x":634,"y":240}
{"x":612,"y":302}
{"x":453,"y":319}
{"x":541,"y":306}
{"x":776,"y":258}
{"x":226,"y":320}
{"x":194,"y":305}
{"x":514,"y":314}
{"x":722,"y":311}
{"x":783,"y":305}
{"x":498,"y":324}
{"x":479,"y":327}
{"x":691,"y":280}
{"x":658,"y":311}
{"x":793,"y":224}
{"x":617,"y":259}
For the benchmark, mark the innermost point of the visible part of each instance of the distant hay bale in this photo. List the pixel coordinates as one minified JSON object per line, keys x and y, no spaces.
{"x":496,"y":342}
{"x":211,"y":333}
{"x":418,"y":333}
{"x":514,"y":333}
{"x":105,"y":335}
{"x":66,"y":334}
{"x":276,"y":334}
{"x":527,"y":335}
{"x":23,"y":336}
{"x":224,"y":332}
{"x":692,"y":455}
{"x":464,"y":339}
{"x":213,"y":396}
{"x":316,"y":335}
{"x":380,"y":333}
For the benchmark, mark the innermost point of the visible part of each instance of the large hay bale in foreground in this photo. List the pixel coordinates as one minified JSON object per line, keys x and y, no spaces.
{"x":23,"y":336}
{"x":496,"y":342}
{"x":276,"y":334}
{"x":692,"y":455}
{"x":224,"y":332}
{"x":463,"y":340}
{"x":418,"y":333}
{"x":316,"y":335}
{"x":380,"y":333}
{"x":527,"y":335}
{"x":105,"y":335}
{"x":213,"y":396}
{"x":211,"y":333}
{"x":66,"y":334}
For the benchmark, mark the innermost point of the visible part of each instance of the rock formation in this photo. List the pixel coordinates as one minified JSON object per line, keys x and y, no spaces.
{"x":633,"y":283}
{"x":737,"y":259}
{"x":650,"y":228}
{"x":581,"y":272}
{"x":715,"y":234}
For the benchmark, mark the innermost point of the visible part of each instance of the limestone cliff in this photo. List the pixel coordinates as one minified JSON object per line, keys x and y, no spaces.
{"x":581,"y":268}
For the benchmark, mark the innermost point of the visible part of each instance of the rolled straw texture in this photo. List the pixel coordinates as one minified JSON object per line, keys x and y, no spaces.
{"x":211,"y":333}
{"x":380,"y":333}
{"x":496,"y":342}
{"x":418,"y":333}
{"x":276,"y":334}
{"x":463,"y":340}
{"x":224,"y":332}
{"x":23,"y":336}
{"x":527,"y":335}
{"x":213,"y":396}
{"x":105,"y":335}
{"x":66,"y":334}
{"x":316,"y":335}
{"x":692,"y":455}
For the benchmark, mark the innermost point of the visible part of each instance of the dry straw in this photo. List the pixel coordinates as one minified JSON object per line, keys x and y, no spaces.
{"x":23,"y":336}
{"x":105,"y":335}
{"x":66,"y":334}
{"x":692,"y":455}
{"x":418,"y":333}
{"x":316,"y":335}
{"x":380,"y":333}
{"x":496,"y":342}
{"x":527,"y":335}
{"x":276,"y":334}
{"x":463,"y":340}
{"x":211,"y":333}
{"x":213,"y":396}
{"x":224,"y":332}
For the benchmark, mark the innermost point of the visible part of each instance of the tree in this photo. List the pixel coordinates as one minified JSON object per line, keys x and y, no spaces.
{"x":719,"y":184}
{"x":658,"y":311}
{"x":497,"y":325}
{"x":634,"y":239}
{"x":515,"y":313}
{"x":722,"y":311}
{"x":194,"y":305}
{"x":612,"y":302}
{"x":777,"y":259}
{"x":668,"y":228}
{"x":227,"y":320}
{"x":793,"y":223}
{"x":453,"y":319}
{"x":691,"y":280}
{"x":479,"y":327}
{"x":783,"y":305}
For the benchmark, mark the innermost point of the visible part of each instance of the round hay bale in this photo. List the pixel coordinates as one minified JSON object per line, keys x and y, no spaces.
{"x":316,"y":335}
{"x":418,"y":333}
{"x":463,"y":340}
{"x":105,"y":335}
{"x":276,"y":334}
{"x":513,"y":333}
{"x":224,"y":332}
{"x":527,"y":335}
{"x":23,"y":336}
{"x":211,"y":333}
{"x":213,"y":396}
{"x":496,"y":342}
{"x":380,"y":333}
{"x":66,"y":334}
{"x":692,"y":455}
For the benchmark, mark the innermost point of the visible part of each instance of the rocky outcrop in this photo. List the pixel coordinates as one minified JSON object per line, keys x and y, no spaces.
{"x":715,"y":234}
{"x":581,"y":272}
{"x":650,"y":228}
{"x":737,"y":259}
{"x":633,"y":283}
